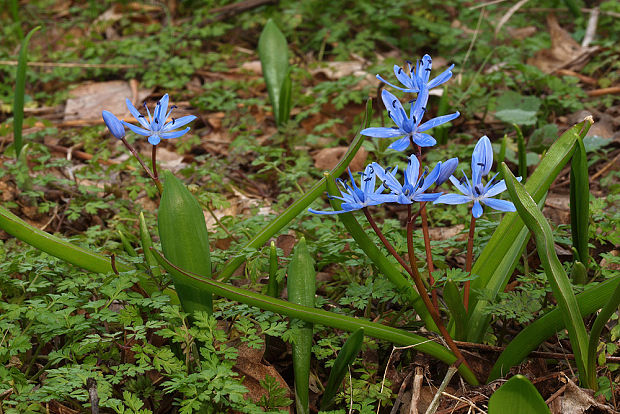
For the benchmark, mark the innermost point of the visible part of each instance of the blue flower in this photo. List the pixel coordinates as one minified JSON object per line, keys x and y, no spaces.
{"x":114,"y":124}
{"x":475,"y":191}
{"x":418,"y":79}
{"x":156,"y":128}
{"x":415,"y":183}
{"x":408,"y":126}
{"x":355,"y":198}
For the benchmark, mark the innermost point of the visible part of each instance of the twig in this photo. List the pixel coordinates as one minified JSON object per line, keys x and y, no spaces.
{"x":417,"y":388}
{"x":93,"y":396}
{"x":508,"y":15}
{"x":606,"y":167}
{"x":591,"y":29}
{"x":475,"y":36}
{"x":465,"y":401}
{"x":436,"y":399}
{"x":604,"y":91}
{"x":556,"y":394}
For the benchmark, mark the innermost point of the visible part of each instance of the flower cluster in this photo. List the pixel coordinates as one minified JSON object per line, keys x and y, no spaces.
{"x":154,"y":127}
{"x":416,"y":180}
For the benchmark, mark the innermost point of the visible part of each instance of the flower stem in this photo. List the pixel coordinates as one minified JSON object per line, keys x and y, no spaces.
{"x":424,"y":295}
{"x":385,"y":242}
{"x":429,"y":254}
{"x":144,"y":167}
{"x":469,"y":259}
{"x":154,"y":162}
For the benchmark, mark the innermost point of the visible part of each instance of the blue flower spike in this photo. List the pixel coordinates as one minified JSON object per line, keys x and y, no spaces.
{"x":114,"y":124}
{"x":416,"y":80}
{"x":447,"y":169}
{"x":415,"y":184}
{"x":155,"y":127}
{"x":408,"y":127}
{"x":355,"y":198}
{"x":482,"y":160}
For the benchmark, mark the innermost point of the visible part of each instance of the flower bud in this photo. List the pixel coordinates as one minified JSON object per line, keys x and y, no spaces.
{"x":447,"y":169}
{"x":114,"y":124}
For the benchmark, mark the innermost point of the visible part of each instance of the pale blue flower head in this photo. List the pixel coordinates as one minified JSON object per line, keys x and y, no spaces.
{"x":417,"y":79}
{"x":156,"y":127}
{"x":114,"y":124}
{"x":415,"y":184}
{"x":355,"y":198}
{"x":482,"y":159}
{"x":408,"y":126}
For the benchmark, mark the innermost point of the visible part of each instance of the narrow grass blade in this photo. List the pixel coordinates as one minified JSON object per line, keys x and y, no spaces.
{"x":20,"y":88}
{"x":14,"y":9}
{"x":590,"y":300}
{"x":517,"y":396}
{"x":346,"y":356}
{"x":454,"y":301}
{"x":273,"y":53}
{"x":272,"y":284}
{"x":69,"y":252}
{"x":595,"y":333}
{"x":147,"y":243}
{"x":501,"y":254}
{"x":317,"y":316}
{"x":521,"y":152}
{"x":301,"y":290}
{"x":184,"y":240}
{"x":127,"y":245}
{"x":387,"y":269}
{"x":298,"y":206}
{"x":558,"y":279}
{"x":580,"y":203}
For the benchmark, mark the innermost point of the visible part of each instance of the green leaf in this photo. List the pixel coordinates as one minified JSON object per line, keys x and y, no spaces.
{"x":521,"y":152}
{"x":273,"y":53}
{"x":454,"y":301}
{"x":316,"y":316}
{"x":517,"y":396}
{"x":590,"y":300}
{"x":556,"y":275}
{"x":514,"y":108}
{"x":301,"y":290}
{"x":580,"y":203}
{"x":346,"y":356}
{"x":499,"y":257}
{"x":184,"y":240}
{"x":285,"y":99}
{"x":20,"y":88}
{"x":297,"y":207}
{"x":272,"y":285}
{"x":147,"y":243}
{"x":579,"y":274}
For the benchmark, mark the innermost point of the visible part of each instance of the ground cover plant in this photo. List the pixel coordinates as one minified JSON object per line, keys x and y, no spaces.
{"x":166,"y":245}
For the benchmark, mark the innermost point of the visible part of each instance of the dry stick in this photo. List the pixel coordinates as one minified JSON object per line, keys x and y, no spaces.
{"x":432,"y":408}
{"x":469,"y":259}
{"x":417,"y":388}
{"x":417,"y":279}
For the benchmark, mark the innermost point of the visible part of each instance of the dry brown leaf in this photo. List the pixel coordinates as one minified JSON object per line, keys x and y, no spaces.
{"x":327,"y":158}
{"x":577,"y":400}
{"x":88,"y":100}
{"x":565,"y":52}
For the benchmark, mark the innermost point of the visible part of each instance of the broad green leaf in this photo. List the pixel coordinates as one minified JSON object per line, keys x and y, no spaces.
{"x":556,"y":275}
{"x":297,"y":207}
{"x":499,"y":257}
{"x":273,"y":53}
{"x":20,"y":88}
{"x":346,"y":356}
{"x":286,"y":91}
{"x":387,"y":269}
{"x":301,"y":290}
{"x":184,"y":240}
{"x":580,"y":203}
{"x":316,"y":316}
{"x":590,"y":300}
{"x":517,"y":396}
{"x":458,"y":314}
{"x":514,"y":108}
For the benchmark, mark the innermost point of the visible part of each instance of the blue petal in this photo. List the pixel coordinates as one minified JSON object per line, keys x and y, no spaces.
{"x":174,"y":134}
{"x":369,"y":179}
{"x":387,"y":178}
{"x":481,"y":159}
{"x":453,"y":199}
{"x":476,"y":209}
{"x":134,"y":112}
{"x":412,"y":171}
{"x":402,"y":76}
{"x":444,"y":77}
{"x":424,"y":70}
{"x":326,"y":212}
{"x":424,"y":140}
{"x":394,"y":86}
{"x":400,"y":145}
{"x":382,"y":132}
{"x":498,"y":188}
{"x":161,"y":109}
{"x":431,"y":123}
{"x":154,"y":139}
{"x":501,"y":205}
{"x":426,"y":197}
{"x":417,"y":112}
{"x":462,"y":188}
{"x":137,"y":130}
{"x":178,"y":123}
{"x":431,"y":178}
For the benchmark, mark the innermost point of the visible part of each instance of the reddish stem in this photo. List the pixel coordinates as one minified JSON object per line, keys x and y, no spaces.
{"x":385,"y":242}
